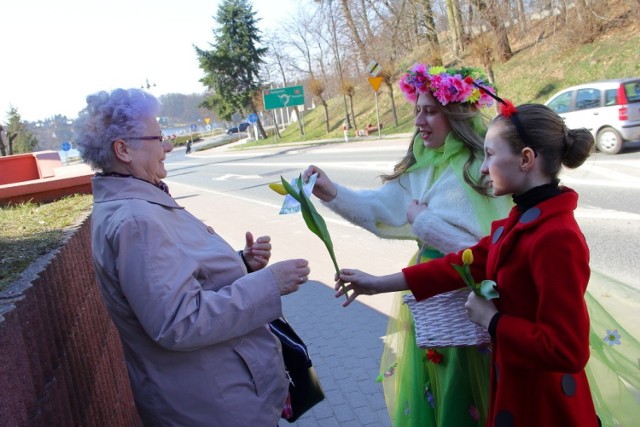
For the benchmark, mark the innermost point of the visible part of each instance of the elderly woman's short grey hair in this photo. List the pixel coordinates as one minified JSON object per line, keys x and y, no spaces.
{"x":109,"y":116}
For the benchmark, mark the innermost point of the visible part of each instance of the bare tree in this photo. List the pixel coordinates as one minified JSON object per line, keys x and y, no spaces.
{"x":522,"y":17}
{"x":431,"y":31}
{"x":357,"y":40}
{"x":335,"y":47}
{"x":317,"y":88}
{"x":454,"y":29}
{"x":388,"y":75}
{"x":348,"y":89}
{"x":490,"y":12}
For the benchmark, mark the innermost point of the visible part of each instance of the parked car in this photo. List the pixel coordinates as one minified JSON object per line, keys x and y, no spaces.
{"x":240,"y":128}
{"x":609,"y":109}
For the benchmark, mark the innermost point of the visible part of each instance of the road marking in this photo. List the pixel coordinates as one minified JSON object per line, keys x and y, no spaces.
{"x":609,"y":173}
{"x":234,"y":175}
{"x":571,"y":181}
{"x":606,"y":214}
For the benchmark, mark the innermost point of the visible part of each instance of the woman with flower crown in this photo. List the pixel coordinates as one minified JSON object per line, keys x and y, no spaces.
{"x":535,"y":262}
{"x":435,"y":195}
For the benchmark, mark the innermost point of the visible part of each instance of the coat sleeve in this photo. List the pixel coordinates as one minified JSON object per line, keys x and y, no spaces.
{"x":558,"y":338}
{"x":382,"y":211}
{"x":438,"y":276}
{"x":448,"y":224}
{"x":171,"y":305}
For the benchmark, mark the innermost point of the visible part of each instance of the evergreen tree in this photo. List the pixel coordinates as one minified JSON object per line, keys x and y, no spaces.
{"x":232,"y":66}
{"x":20,"y":139}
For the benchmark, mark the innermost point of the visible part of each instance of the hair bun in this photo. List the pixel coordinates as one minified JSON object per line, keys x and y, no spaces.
{"x":578,"y":144}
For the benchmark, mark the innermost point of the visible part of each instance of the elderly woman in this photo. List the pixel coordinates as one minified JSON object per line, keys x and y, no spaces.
{"x":190,"y":310}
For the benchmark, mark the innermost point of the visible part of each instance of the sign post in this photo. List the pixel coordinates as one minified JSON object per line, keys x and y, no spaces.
{"x":281,"y":98}
{"x":253,"y":119}
{"x":375,"y":81}
{"x":66,"y":146}
{"x":193,"y":129}
{"x":208,"y":127}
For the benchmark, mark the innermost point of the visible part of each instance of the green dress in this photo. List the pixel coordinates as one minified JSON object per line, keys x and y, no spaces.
{"x":444,"y":386}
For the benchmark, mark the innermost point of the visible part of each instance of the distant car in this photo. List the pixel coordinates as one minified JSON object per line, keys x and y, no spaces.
{"x":609,"y":109}
{"x":240,"y":128}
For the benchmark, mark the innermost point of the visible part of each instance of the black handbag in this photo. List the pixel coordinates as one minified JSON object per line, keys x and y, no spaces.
{"x":305,"y":390}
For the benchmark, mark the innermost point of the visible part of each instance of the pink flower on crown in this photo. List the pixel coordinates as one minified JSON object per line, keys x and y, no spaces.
{"x":460,"y":89}
{"x":442,"y":87}
{"x":446,"y":85}
{"x":416,"y":80}
{"x":420,"y":69}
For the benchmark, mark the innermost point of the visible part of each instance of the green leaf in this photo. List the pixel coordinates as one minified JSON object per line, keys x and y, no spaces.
{"x":487,"y":289}
{"x":313,"y":219}
{"x":316,"y":223}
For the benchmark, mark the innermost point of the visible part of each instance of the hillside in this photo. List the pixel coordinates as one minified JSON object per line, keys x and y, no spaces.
{"x":548,"y":58}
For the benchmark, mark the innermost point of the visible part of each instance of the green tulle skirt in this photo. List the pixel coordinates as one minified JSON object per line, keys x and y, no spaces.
{"x":443,"y":387}
{"x":454,"y":390}
{"x":614,"y":367}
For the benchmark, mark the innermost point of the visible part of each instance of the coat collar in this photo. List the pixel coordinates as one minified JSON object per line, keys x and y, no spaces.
{"x":507,"y":232}
{"x":111,"y":188}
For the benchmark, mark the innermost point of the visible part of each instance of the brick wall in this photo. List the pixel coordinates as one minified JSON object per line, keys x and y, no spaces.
{"x":61,"y":361}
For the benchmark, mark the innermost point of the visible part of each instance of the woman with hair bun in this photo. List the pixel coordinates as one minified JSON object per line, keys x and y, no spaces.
{"x":539,"y":260}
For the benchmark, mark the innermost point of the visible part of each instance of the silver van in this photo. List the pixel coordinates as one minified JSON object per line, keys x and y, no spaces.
{"x":609,"y":109}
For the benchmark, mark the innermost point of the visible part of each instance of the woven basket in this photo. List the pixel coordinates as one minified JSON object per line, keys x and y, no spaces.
{"x":442,"y":321}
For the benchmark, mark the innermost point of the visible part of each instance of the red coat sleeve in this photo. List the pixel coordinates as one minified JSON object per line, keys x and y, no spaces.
{"x":438,"y":276}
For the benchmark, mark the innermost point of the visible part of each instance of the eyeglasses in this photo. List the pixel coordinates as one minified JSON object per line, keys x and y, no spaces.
{"x":159,"y":138}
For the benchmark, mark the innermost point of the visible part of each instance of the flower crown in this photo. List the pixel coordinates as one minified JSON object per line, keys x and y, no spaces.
{"x":447,"y":85}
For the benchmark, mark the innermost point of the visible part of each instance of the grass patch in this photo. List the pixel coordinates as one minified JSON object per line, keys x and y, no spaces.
{"x":30,"y":230}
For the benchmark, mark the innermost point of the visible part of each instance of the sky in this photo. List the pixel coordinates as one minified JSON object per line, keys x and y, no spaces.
{"x":56,"y":52}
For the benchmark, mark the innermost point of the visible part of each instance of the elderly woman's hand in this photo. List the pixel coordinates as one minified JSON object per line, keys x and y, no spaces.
{"x":257,"y":254}
{"x":290,"y":274}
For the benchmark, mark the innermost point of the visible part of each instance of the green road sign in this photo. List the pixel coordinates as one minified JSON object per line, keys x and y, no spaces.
{"x":283,"y":97}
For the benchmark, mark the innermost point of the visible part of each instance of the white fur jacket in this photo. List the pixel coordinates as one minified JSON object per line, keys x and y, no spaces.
{"x":449,"y":224}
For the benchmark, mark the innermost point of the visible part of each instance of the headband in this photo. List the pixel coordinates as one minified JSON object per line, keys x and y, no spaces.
{"x":464,"y":85}
{"x":508,"y":110}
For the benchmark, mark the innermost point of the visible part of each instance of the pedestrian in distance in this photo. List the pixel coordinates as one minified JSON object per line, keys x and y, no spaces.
{"x":436,"y":196}
{"x":539,"y":260}
{"x":191,"y":311}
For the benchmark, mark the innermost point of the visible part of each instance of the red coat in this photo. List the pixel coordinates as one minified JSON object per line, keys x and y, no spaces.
{"x":540,"y":262}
